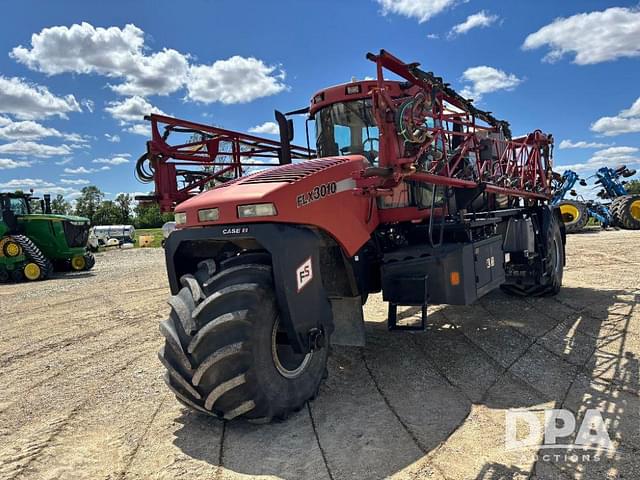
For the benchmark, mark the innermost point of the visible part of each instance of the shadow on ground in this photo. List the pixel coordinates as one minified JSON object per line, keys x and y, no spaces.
{"x":444,"y":393}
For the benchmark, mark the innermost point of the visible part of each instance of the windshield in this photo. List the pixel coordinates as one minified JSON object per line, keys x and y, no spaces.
{"x":347,"y":128}
{"x":18,"y":206}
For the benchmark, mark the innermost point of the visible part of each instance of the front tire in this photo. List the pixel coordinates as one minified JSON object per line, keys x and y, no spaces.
{"x":226,"y":353}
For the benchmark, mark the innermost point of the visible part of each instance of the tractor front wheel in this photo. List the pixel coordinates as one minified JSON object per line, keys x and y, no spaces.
{"x":226,"y":351}
{"x":90,"y":261}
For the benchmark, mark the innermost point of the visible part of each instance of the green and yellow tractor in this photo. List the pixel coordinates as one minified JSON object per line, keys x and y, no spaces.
{"x":32,"y":245}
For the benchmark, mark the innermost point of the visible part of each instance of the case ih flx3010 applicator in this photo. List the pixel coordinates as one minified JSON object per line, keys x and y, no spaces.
{"x":414,"y":192}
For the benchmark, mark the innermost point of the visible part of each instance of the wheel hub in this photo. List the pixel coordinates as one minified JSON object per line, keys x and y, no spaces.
{"x":569,"y":213}
{"x":32,"y":271}
{"x":288,"y":363}
{"x":78,"y":263}
{"x":634,"y":209}
{"x":12,"y":249}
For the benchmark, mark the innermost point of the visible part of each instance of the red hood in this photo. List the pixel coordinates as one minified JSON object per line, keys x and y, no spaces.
{"x":316,"y":192}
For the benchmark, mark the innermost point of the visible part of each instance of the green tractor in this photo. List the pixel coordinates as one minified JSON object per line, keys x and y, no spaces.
{"x":33,"y":244}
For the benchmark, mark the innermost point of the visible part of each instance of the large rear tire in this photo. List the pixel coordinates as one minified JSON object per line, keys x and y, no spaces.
{"x":574,"y":215}
{"x":226,"y":353}
{"x":627,"y":212}
{"x":548,"y":278}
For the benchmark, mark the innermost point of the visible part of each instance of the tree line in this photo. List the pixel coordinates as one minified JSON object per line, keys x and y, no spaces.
{"x":124,"y":210}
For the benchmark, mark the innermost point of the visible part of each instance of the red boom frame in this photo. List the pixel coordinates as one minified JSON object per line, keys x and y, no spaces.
{"x":522,"y":167}
{"x":215,"y":157}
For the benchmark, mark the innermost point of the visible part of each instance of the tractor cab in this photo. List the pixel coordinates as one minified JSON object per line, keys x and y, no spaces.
{"x":346,"y":125}
{"x":12,"y":205}
{"x":344,"y":120}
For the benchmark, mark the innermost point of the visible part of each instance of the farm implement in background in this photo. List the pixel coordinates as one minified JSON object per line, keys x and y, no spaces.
{"x":623,"y":211}
{"x":33,"y":244}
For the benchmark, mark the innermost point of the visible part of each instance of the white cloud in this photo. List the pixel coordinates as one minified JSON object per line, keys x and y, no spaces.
{"x":422,"y":10}
{"x":25,"y":183}
{"x":433,"y":36}
{"x":615,"y":152}
{"x":140,"y":129}
{"x":32,"y":149}
{"x":484,"y":79}
{"x":7,"y":164}
{"x":482,"y":19}
{"x":27,"y":130}
{"x":113,"y":52}
{"x":120,"y":53}
{"x":593,"y":37}
{"x":28,"y":101}
{"x":131,"y":109}
{"x":117,"y":160}
{"x":609,"y":157}
{"x":235,"y":80}
{"x":30,"y":130}
{"x":89,"y":104}
{"x":78,"y":181}
{"x":64,"y":161}
{"x":270,"y":128}
{"x":112,"y":138}
{"x":40,"y":186}
{"x":564,"y":144}
{"x":84,"y":170}
{"x":627,"y":121}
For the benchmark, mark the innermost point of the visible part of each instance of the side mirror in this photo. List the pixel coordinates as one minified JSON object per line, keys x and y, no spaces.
{"x":628,"y":173}
{"x":286,"y":136}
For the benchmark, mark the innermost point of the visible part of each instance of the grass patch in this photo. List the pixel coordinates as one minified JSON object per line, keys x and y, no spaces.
{"x":157,"y":236}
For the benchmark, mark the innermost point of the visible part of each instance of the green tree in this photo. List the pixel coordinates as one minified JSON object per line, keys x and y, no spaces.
{"x":148,"y":215}
{"x":88,"y":202}
{"x":108,"y":213}
{"x":60,"y":206}
{"x":123,"y":201}
{"x":633,"y":187}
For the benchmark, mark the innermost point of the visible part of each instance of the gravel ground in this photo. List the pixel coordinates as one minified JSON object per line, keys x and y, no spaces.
{"x":82,"y":395}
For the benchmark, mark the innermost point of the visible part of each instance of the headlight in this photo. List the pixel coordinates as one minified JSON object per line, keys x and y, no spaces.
{"x":180,"y":218}
{"x":257,"y":210}
{"x":208,"y":215}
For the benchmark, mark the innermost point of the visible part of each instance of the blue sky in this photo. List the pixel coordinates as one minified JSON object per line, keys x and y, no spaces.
{"x":75,"y":76}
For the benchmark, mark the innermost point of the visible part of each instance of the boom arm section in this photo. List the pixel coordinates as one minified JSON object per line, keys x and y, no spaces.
{"x":432,"y":135}
{"x":205,"y":156}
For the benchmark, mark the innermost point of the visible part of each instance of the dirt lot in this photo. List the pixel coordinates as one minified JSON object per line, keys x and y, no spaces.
{"x":82,"y":394}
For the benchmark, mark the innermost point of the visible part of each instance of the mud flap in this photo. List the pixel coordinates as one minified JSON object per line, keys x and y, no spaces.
{"x":349,"y":322}
{"x":304,"y":305}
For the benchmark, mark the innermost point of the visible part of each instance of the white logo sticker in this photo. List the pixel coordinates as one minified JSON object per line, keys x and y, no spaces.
{"x":304,"y":274}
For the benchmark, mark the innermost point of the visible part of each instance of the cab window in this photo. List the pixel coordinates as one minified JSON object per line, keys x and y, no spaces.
{"x":347,"y":128}
{"x":18,"y":206}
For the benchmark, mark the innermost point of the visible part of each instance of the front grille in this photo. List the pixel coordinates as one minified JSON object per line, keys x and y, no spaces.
{"x":76,"y":235}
